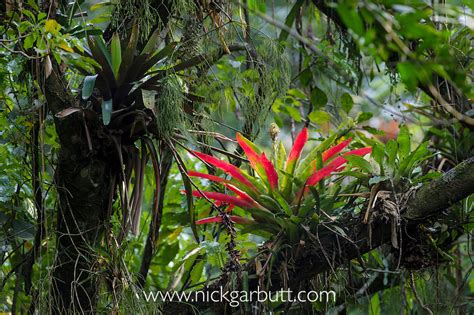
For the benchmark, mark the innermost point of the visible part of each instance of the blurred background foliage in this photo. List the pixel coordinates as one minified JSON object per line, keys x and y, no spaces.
{"x":394,"y":75}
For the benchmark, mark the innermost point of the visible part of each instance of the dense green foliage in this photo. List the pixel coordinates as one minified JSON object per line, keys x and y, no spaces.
{"x":164,"y":95}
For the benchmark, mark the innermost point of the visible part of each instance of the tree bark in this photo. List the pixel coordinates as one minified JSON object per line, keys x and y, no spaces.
{"x":82,"y":179}
{"x":428,"y":201}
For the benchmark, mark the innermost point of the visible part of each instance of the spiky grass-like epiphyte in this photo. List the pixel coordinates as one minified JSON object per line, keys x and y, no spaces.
{"x":183,"y":7}
{"x":140,"y":10}
{"x":145,"y":12}
{"x":191,"y":40}
{"x":169,"y":107}
{"x":277,"y":75}
{"x":273,"y":72}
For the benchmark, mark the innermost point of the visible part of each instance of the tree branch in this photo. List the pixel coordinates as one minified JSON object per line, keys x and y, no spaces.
{"x":429,"y":200}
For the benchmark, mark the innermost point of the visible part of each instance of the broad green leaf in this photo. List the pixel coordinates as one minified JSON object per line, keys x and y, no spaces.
{"x":30,"y":14}
{"x":319,"y":117}
{"x":282,"y":202}
{"x":359,"y":175}
{"x":351,"y":18}
{"x":296,"y":93}
{"x":293,"y":112}
{"x":29,"y":41}
{"x":270,"y":203}
{"x":306,"y":77}
{"x":116,"y":54}
{"x":318,"y":98}
{"x":391,"y":149}
{"x":404,"y":142}
{"x":262,"y":229}
{"x":363,"y":116}
{"x":100,"y":19}
{"x":106,"y":111}
{"x":373,"y":130}
{"x":177,"y":271}
{"x":374,"y":305}
{"x":347,"y":102}
{"x":408,"y":74}
{"x":88,"y":86}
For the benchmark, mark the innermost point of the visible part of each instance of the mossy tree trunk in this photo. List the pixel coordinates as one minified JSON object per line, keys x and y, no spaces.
{"x":83,"y":184}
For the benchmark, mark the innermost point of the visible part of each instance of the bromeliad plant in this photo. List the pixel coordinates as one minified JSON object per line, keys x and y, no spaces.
{"x":121,"y":92}
{"x":282,"y":193}
{"x":134,"y":94}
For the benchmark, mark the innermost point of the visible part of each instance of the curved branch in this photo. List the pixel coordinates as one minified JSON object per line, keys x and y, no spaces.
{"x":429,"y":200}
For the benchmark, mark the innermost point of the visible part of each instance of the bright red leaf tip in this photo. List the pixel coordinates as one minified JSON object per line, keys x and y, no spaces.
{"x":290,"y":164}
{"x":226,"y":167}
{"x":272,"y":175}
{"x":241,"y":194}
{"x":239,"y":202}
{"x":207,"y":176}
{"x":329,"y":153}
{"x":244,"y":196}
{"x":335,"y":165}
{"x":300,"y":141}
{"x":322,"y":173}
{"x":249,"y":150}
{"x":360,"y":152}
{"x":230,"y":208}
{"x":209,"y":220}
{"x":218,"y":219}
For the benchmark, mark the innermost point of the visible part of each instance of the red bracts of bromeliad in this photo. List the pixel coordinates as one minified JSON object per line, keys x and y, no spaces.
{"x":239,"y":202}
{"x":259,"y":162}
{"x":250,"y":151}
{"x":334,"y":165}
{"x":297,"y":148}
{"x":329,"y":153}
{"x":270,"y":171}
{"x":230,"y":169}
